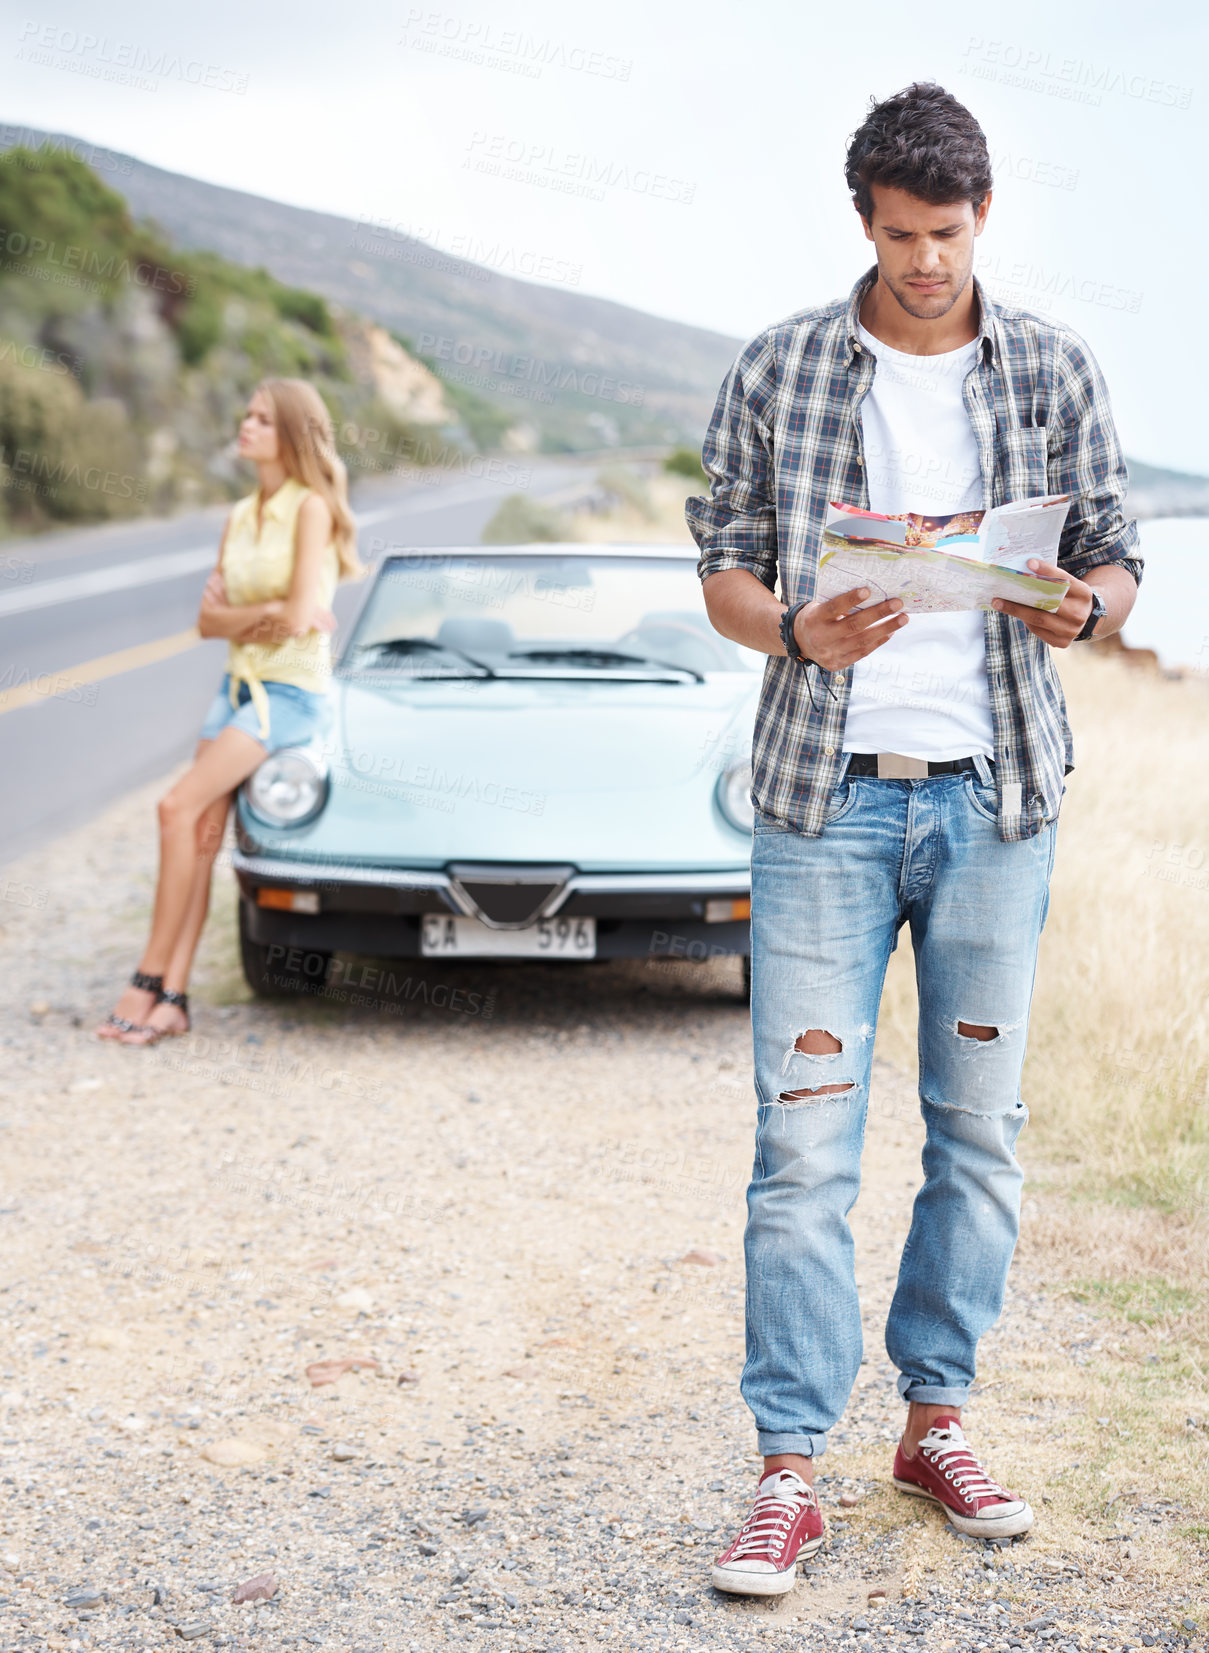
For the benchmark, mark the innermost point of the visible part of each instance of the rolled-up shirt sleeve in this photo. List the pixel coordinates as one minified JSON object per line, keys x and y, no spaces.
{"x":1085,"y":462}
{"x":736,"y":526}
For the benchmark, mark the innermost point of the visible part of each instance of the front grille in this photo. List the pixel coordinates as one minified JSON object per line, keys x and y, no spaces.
{"x":510,"y":904}
{"x":508,"y":897}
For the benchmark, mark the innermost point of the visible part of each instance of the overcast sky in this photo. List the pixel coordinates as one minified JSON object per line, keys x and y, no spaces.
{"x":686,"y":159}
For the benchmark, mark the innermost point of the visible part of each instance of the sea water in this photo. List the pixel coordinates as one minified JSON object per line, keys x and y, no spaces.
{"x":1171,"y":615}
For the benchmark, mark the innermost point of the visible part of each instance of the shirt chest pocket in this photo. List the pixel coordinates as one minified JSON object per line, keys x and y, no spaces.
{"x":1020,"y":464}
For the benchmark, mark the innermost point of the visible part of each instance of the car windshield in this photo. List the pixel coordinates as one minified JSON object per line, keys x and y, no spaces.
{"x":579,"y":614}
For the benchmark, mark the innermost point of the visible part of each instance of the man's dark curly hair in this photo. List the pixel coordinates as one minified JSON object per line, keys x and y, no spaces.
{"x":923,"y":141}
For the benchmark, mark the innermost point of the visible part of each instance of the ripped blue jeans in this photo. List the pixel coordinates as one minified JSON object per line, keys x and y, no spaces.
{"x":826,"y":913}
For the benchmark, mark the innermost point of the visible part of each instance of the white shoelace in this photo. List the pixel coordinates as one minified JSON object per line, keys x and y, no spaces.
{"x":946,"y":1448}
{"x":772,"y":1515}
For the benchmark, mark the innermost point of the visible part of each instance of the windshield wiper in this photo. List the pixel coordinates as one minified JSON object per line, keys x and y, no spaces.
{"x":426,"y":645}
{"x":605,"y":657}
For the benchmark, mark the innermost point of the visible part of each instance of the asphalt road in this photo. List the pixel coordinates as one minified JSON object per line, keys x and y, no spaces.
{"x":101,"y":685}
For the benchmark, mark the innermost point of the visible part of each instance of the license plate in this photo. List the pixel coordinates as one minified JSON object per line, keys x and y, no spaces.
{"x":468,"y":938}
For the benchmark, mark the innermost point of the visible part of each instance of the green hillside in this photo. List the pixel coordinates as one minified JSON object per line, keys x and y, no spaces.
{"x":567,"y":370}
{"x":125,"y":362}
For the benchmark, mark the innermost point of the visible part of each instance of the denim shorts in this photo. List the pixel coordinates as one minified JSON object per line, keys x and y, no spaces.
{"x":295,"y":715}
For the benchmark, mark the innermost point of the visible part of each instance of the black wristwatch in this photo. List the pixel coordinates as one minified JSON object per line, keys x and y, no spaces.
{"x":1098,"y":611}
{"x":790,"y":641}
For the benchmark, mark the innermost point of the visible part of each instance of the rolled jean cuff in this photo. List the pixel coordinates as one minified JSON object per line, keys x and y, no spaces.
{"x":806,"y":1446}
{"x":930,"y":1394}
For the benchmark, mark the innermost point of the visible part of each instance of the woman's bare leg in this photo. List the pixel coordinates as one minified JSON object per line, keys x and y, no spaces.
{"x":171,"y":1018}
{"x":210,"y":830}
{"x":136,"y":1003}
{"x":218,"y":768}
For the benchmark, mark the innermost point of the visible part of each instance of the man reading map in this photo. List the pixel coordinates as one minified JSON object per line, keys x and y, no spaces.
{"x":907,"y":769}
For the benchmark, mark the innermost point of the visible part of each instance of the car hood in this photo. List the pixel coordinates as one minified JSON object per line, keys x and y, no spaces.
{"x":599,"y":774}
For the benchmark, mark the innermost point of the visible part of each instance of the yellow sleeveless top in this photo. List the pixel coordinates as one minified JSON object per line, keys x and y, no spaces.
{"x":258,"y":566}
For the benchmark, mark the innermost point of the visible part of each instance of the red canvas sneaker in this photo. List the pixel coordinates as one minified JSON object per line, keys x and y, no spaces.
{"x":946,"y":1471}
{"x":785,"y":1526}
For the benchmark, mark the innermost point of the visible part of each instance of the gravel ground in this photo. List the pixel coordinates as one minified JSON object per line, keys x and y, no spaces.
{"x":510,"y":1200}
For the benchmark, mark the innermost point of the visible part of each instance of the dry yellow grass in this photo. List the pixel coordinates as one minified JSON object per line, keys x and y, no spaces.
{"x":1117,"y":1149}
{"x":660,"y":523}
{"x":1118,"y":1068}
{"x":1122,"y":1009}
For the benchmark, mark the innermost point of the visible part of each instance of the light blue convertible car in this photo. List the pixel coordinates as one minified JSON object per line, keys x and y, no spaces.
{"x":536,"y":752}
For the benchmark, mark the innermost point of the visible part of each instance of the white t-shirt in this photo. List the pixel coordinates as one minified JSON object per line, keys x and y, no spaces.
{"x":924,"y":693}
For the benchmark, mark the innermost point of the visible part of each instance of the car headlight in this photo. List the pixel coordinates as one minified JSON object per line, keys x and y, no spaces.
{"x":288,"y":789}
{"x":734,"y":796}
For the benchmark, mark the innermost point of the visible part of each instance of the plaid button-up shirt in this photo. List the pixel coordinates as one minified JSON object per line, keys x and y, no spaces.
{"x":785,"y":438}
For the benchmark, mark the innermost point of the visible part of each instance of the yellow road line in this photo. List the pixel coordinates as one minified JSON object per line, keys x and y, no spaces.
{"x":68,"y":684}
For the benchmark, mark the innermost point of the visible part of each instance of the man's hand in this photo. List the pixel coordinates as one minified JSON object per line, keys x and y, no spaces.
{"x":1060,"y":628}
{"x":836,"y":633}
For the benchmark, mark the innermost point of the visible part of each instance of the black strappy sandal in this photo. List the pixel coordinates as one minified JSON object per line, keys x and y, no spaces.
{"x":167,"y":995}
{"x":122,"y":1024}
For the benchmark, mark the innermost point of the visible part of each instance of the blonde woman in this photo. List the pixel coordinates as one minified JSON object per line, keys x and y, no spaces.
{"x":283,"y":551}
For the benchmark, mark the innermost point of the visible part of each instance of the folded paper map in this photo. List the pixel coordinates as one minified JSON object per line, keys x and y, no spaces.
{"x":944,"y":564}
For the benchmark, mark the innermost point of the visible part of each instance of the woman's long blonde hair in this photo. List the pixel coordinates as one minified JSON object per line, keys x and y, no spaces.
{"x":306,"y":446}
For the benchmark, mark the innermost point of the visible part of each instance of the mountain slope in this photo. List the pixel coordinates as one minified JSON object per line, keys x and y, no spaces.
{"x":582,"y":371}
{"x":570,"y":370}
